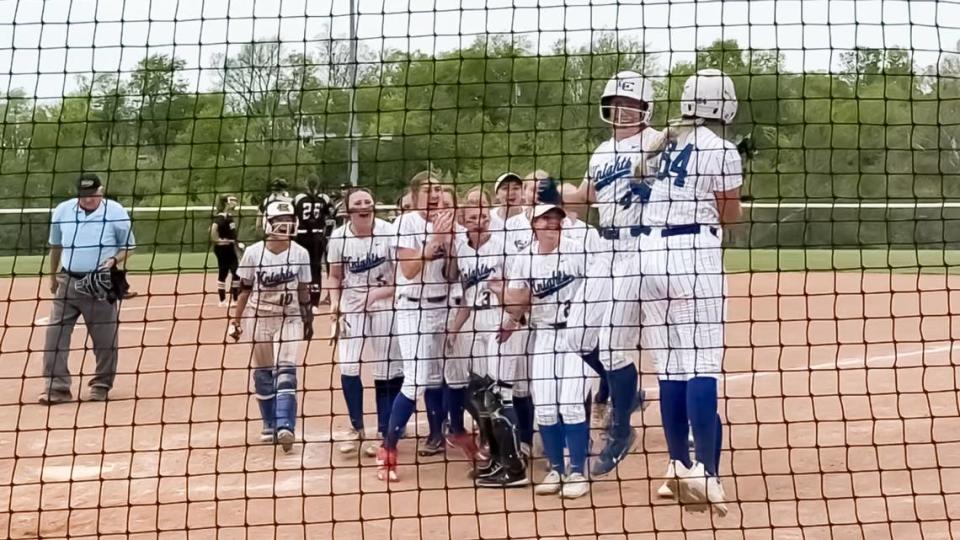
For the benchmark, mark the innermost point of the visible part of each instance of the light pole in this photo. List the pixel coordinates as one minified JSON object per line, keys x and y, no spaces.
{"x":352,"y":120}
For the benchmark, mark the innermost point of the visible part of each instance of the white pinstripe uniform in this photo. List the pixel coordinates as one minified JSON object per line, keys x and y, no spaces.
{"x":516,"y":236}
{"x":456,"y":360}
{"x":559,"y":377}
{"x":682,"y":265}
{"x":478,"y":267}
{"x":273,"y":310}
{"x":421,"y":311}
{"x":367,"y":262}
{"x":619,"y":195}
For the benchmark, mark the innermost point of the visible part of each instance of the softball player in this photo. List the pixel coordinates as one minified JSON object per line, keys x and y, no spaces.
{"x":275,"y":284}
{"x":223,"y":235}
{"x":544,"y":282}
{"x":509,"y":189}
{"x":361,"y":258}
{"x":424,"y":240}
{"x":681,"y":291}
{"x":480,"y":258}
{"x":613,"y":185}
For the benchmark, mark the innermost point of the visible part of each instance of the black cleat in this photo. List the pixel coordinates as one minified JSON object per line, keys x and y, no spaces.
{"x":504,"y":479}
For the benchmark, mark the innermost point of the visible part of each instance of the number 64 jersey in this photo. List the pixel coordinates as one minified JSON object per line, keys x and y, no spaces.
{"x":276,"y":278}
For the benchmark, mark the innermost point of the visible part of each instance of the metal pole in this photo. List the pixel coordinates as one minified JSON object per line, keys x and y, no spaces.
{"x":352,"y":128}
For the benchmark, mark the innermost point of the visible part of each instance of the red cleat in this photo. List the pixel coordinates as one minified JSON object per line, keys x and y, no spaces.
{"x":466,"y":444}
{"x":387,"y":464}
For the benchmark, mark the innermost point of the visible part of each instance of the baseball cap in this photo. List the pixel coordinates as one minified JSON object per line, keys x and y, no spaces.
{"x":542,"y":209}
{"x":88,"y":184}
{"x":506,"y":177}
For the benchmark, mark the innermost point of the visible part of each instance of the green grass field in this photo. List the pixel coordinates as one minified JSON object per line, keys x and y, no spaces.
{"x":736,"y":260}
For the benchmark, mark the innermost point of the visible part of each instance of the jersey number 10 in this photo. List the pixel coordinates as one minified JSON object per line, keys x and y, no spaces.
{"x":676,"y":166}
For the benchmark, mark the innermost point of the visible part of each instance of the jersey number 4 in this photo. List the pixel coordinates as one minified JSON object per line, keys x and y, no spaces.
{"x":676,"y":167}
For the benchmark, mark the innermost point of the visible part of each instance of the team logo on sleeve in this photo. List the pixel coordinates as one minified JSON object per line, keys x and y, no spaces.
{"x":557,"y":281}
{"x":358,"y":265}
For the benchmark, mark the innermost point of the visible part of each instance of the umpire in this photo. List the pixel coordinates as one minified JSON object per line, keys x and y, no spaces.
{"x":90,"y":240}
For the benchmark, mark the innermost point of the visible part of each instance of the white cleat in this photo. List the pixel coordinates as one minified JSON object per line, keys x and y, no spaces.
{"x":350,"y":441}
{"x":267,"y":435}
{"x":575,"y":486}
{"x":370,"y":450}
{"x":671,"y":484}
{"x":697,"y":488}
{"x":550,"y":485}
{"x":222,"y":304}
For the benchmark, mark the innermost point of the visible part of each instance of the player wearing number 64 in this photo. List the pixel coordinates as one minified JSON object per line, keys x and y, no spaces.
{"x":274,"y":310}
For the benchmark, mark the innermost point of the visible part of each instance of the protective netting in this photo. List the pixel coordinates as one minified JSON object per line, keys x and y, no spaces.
{"x":838,"y":396}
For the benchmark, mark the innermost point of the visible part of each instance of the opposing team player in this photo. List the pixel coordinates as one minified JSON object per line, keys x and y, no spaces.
{"x":313,"y":210}
{"x":614,"y":184}
{"x":480,"y":259}
{"x":543,"y":282}
{"x":361,"y":256}
{"x":223,"y":235}
{"x":424,"y":243}
{"x":274,"y":310}
{"x":681,"y":292}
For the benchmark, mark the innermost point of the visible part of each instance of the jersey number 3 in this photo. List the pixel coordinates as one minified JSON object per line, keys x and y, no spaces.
{"x":676,"y":167}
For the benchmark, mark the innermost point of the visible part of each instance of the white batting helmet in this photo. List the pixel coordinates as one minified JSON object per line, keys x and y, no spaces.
{"x":632,"y":85}
{"x":709,"y":94}
{"x":274,"y":226}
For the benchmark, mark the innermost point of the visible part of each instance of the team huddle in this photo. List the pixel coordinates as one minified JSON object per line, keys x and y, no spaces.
{"x":520,"y":314}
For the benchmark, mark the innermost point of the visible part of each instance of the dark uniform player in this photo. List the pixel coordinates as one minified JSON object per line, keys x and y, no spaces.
{"x":223,"y":235}
{"x":313,"y":211}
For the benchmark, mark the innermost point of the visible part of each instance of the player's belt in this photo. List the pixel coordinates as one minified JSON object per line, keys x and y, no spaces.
{"x":309,"y":231}
{"x":554,"y":326}
{"x":615,"y":233}
{"x":429,"y":299}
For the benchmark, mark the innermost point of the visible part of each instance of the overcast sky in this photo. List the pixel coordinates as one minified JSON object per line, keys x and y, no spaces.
{"x":44,"y":44}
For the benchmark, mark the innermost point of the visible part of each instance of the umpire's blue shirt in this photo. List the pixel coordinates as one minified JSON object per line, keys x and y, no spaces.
{"x":89,"y":239}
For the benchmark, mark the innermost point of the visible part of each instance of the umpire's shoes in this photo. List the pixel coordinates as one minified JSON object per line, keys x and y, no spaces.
{"x":613,"y":453}
{"x":504,"y":479}
{"x":55,"y":397}
{"x":98,"y":393}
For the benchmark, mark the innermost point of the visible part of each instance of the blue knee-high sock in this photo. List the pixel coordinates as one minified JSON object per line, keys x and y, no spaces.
{"x":552,"y":436}
{"x":286,"y":397}
{"x":456,"y":405}
{"x":603,"y":393}
{"x":524,"y":408}
{"x":353,"y":395}
{"x":592,"y":359}
{"x":623,"y":395}
{"x":673,"y":414}
{"x":381,"y":397}
{"x":393,"y":387}
{"x":578,"y":442}
{"x":264,"y":386}
{"x":702,"y":410}
{"x":433,"y":401}
{"x":719,"y":446}
{"x":403,"y":408}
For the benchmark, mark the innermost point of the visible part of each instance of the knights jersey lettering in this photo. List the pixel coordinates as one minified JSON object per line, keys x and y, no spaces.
{"x":553,"y":279}
{"x":313,"y":210}
{"x":368,"y":262}
{"x":275,"y":277}
{"x":478,"y":267}
{"x":692,"y":169}
{"x":620,"y":194}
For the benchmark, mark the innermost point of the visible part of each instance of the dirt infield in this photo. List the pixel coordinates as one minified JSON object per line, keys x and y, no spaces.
{"x":841,"y":412}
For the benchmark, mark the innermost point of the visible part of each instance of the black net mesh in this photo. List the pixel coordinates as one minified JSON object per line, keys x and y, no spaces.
{"x":838,"y":398}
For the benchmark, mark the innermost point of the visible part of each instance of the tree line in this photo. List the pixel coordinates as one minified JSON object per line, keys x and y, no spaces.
{"x":880,"y":128}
